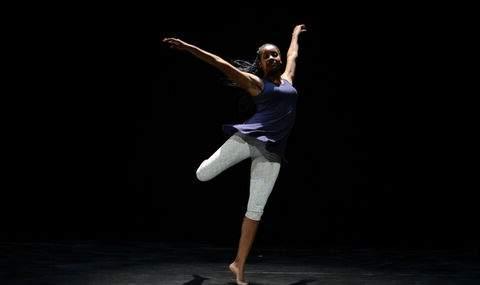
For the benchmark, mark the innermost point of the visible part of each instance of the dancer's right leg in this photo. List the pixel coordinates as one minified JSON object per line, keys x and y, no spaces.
{"x":234,"y":150}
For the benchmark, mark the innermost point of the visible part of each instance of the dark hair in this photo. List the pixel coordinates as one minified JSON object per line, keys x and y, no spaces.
{"x":245,"y":105}
{"x":250,"y":67}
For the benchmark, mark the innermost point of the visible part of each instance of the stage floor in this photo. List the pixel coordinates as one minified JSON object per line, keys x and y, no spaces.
{"x":134,"y":262}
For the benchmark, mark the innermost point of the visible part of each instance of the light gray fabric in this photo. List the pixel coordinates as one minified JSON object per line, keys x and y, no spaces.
{"x":263,"y":173}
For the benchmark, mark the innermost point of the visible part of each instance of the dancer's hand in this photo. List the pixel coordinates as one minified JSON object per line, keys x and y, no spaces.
{"x":299,"y":29}
{"x":176,"y":43}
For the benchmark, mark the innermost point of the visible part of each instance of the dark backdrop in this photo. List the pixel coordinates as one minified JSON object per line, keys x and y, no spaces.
{"x":117,"y":123}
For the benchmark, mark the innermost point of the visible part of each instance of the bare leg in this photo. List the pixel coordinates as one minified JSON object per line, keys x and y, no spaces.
{"x":249,"y":229}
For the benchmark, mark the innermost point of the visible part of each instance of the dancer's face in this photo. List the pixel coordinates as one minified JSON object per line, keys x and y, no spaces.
{"x":270,"y":60}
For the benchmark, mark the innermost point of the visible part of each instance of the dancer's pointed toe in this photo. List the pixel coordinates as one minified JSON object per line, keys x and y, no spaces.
{"x":241,"y":282}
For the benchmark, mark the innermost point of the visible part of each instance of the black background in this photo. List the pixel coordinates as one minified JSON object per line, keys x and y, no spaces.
{"x":109,"y":126}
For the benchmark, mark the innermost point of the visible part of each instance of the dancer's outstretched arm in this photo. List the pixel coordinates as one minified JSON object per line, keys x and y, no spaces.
{"x":247,"y":81}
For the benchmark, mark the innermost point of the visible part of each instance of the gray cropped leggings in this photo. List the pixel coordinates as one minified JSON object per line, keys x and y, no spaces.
{"x":263,"y":173}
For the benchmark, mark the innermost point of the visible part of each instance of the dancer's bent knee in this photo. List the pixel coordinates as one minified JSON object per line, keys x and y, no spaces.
{"x":256,"y":216}
{"x":202,"y":173}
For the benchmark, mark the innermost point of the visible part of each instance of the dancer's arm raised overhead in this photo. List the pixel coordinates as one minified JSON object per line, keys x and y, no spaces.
{"x":292,"y":54}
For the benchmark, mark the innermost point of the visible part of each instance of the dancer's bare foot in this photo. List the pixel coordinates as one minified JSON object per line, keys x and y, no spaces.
{"x":239,"y":274}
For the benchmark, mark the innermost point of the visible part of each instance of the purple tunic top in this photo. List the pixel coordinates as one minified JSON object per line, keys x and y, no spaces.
{"x":273,"y":120}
